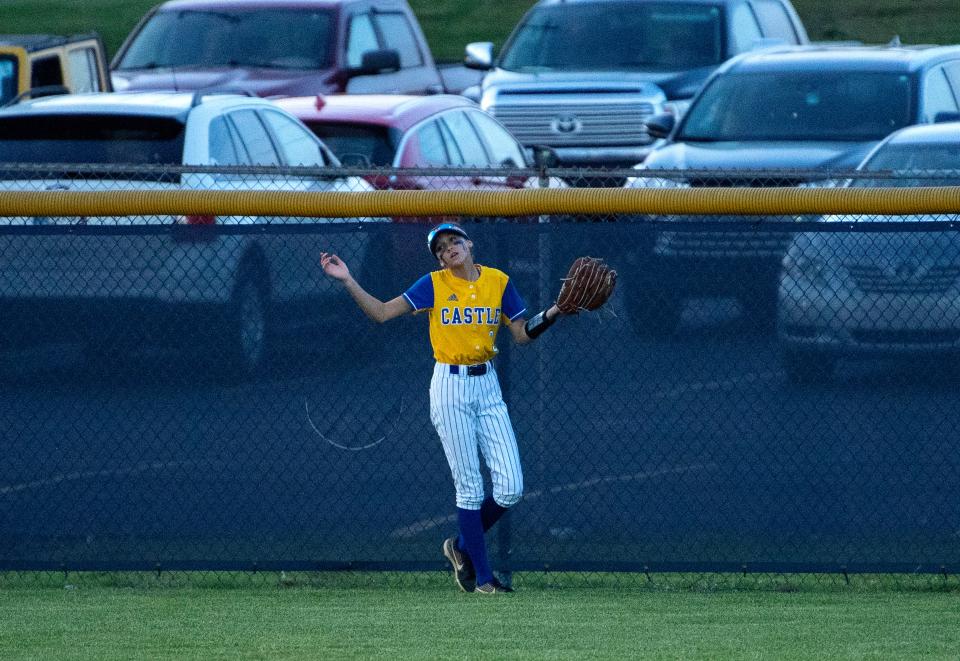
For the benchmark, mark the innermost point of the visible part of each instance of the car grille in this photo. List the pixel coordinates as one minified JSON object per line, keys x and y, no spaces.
{"x":907,"y":336}
{"x":761,"y":244}
{"x":613,"y":124}
{"x":744,"y":182}
{"x":875,"y":280}
{"x":734,"y":243}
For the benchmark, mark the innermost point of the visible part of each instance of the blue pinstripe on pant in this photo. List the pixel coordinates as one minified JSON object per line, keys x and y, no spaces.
{"x":471,"y":419}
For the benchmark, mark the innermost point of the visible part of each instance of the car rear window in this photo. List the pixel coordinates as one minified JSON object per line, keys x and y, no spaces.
{"x":931,"y":164}
{"x":801,"y":105}
{"x":276,"y":38}
{"x":94,"y":139}
{"x":617,"y":37}
{"x":372,"y":142}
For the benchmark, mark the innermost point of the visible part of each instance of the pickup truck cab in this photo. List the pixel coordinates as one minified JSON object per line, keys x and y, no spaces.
{"x":39,"y":64}
{"x":582,"y":76}
{"x":278,"y":48}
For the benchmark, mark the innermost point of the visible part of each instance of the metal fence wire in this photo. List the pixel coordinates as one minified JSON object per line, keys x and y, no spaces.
{"x":774,"y":394}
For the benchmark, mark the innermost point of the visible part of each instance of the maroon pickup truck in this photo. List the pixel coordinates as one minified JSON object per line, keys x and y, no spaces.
{"x":279,"y":48}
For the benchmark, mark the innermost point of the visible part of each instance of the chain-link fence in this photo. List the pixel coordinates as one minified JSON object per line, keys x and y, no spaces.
{"x":762,"y":394}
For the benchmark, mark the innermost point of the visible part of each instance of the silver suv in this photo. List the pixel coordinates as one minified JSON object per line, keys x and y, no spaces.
{"x":581,"y":76}
{"x":226,"y":290}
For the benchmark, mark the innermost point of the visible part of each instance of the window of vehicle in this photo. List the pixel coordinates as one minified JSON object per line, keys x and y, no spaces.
{"x":744,"y":30}
{"x":503,"y":147}
{"x":297,"y":144}
{"x":259,"y":148}
{"x":775,"y":20}
{"x":8,"y":78}
{"x":46,"y":71}
{"x":222,"y":147}
{"x":472,"y":151}
{"x":930,"y":156}
{"x":940,"y":160}
{"x":937,"y":95}
{"x":398,"y":34}
{"x":82,"y":64}
{"x":952,"y":69}
{"x":798,"y":105}
{"x":278,"y":38}
{"x":371,"y":142}
{"x":426,"y":147}
{"x":617,"y":37}
{"x":361,"y":38}
{"x":101,"y":139}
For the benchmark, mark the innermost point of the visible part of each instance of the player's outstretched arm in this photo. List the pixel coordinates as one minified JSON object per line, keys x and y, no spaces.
{"x":524,"y":331}
{"x":372,"y":306}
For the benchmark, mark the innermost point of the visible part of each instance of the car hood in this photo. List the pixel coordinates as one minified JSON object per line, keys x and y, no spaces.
{"x":778,"y":155}
{"x":905,"y":252}
{"x":682,"y":84}
{"x":262,"y":82}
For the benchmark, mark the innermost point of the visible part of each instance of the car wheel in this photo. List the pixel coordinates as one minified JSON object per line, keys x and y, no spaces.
{"x":247,"y":330}
{"x":808,"y":367}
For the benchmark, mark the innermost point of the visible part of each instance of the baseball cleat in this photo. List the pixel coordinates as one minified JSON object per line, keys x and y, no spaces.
{"x":463,"y":572}
{"x":492,"y":587}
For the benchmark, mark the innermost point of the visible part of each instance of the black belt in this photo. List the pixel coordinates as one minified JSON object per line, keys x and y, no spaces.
{"x":472,"y":370}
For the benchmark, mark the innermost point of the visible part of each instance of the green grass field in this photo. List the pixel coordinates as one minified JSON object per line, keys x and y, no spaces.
{"x":450,"y":24}
{"x":423,"y":616}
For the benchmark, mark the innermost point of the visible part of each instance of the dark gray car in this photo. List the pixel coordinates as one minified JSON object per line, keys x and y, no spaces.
{"x":783,"y":117}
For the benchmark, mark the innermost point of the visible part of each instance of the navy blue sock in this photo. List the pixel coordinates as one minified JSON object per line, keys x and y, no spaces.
{"x":471,"y":541}
{"x":490,"y":512}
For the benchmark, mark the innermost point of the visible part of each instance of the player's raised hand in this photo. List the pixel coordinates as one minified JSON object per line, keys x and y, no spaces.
{"x":334,"y":266}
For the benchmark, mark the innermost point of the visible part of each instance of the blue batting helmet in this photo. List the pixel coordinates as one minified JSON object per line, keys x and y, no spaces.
{"x":440,"y":229}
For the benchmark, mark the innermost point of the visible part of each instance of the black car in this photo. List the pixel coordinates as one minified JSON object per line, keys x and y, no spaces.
{"x":770,"y":119}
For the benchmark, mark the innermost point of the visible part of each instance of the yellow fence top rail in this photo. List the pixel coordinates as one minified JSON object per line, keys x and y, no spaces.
{"x":602,"y":201}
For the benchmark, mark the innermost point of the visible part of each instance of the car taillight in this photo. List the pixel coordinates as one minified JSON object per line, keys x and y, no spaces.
{"x":197,"y":220}
{"x":191,"y":229}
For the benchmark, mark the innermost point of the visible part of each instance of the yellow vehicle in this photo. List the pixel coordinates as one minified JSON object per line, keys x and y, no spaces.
{"x":40,"y":64}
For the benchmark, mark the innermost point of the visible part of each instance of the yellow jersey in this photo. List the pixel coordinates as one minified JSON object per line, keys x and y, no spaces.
{"x":465,"y":316}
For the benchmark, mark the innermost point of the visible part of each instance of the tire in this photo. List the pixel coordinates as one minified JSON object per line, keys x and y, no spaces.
{"x":246,"y":342}
{"x":808,"y":367}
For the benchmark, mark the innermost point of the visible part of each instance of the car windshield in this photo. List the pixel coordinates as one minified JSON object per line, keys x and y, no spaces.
{"x":616,"y":37}
{"x":800,"y":105}
{"x":272,"y":38}
{"x":912,"y":165}
{"x":8,"y":78}
{"x":94,"y":139}
{"x":345,"y":140}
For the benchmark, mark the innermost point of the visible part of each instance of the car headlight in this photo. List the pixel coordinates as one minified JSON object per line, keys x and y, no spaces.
{"x":676,"y":107}
{"x":821,"y":183}
{"x":655,"y":182}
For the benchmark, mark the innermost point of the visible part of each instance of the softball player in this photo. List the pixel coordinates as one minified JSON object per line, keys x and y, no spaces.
{"x":466,"y":303}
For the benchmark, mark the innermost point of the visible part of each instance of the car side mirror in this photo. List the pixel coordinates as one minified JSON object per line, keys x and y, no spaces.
{"x":544,"y":157}
{"x":946,"y":116}
{"x":478,"y":55}
{"x":378,"y":61}
{"x":660,"y":126}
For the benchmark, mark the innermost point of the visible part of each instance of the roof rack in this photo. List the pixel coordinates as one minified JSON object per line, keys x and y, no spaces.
{"x":199,"y":94}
